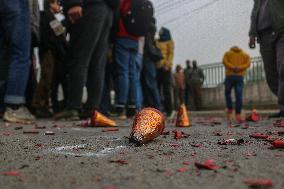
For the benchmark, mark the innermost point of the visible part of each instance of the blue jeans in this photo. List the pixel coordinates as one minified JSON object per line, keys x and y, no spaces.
{"x":139,"y":62}
{"x":236,"y":82}
{"x":126,"y":72}
{"x":150,"y":86}
{"x":16,"y":32}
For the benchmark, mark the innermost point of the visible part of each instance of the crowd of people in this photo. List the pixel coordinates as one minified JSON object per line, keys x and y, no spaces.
{"x":96,"y":47}
{"x":111,"y":45}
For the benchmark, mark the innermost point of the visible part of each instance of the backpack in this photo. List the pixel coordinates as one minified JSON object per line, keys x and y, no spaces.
{"x":138,"y":19}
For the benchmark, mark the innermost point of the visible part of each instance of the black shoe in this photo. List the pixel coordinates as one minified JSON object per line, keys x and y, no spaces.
{"x":67,"y":115}
{"x":278,"y":115}
{"x":85,"y":114}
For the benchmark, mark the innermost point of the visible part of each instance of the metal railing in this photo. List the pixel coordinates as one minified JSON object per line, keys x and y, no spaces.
{"x":215,"y":73}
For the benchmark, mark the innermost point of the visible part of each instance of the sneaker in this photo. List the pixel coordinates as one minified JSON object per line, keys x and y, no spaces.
{"x":278,"y":115}
{"x":172,"y":115}
{"x":68,"y":115}
{"x":20,"y":115}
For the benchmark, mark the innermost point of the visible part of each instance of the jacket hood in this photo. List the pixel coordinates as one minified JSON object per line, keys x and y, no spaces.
{"x":165,"y":34}
{"x":236,"y":49}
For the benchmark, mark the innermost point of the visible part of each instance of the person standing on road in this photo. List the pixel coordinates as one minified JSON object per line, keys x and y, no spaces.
{"x":267,"y":28}
{"x":91,"y":23}
{"x":179,"y":86}
{"x":195,"y":79}
{"x":15,"y":45}
{"x":166,"y":45}
{"x":236,"y":63}
{"x":187,"y":91}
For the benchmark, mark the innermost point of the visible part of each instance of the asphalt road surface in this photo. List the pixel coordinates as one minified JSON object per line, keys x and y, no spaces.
{"x":77,"y":157}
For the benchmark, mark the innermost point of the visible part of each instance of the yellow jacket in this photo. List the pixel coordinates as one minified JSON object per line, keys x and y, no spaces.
{"x":167,"y":49}
{"x":236,"y":62}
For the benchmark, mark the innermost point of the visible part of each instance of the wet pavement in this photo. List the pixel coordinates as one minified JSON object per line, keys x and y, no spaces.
{"x":66,"y":155}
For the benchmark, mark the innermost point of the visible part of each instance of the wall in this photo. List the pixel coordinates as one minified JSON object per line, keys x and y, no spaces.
{"x":256,"y":95}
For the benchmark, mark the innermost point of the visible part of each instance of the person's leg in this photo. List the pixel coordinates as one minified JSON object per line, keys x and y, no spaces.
{"x":239,"y":85}
{"x":96,"y":72}
{"x":133,"y":81}
{"x":139,"y":62}
{"x":16,"y":24}
{"x":228,"y":90}
{"x":150,"y":81}
{"x":268,"y":53}
{"x":122,"y":59}
{"x":4,"y":67}
{"x":280,"y":67}
{"x":198,"y":97}
{"x":167,"y":91}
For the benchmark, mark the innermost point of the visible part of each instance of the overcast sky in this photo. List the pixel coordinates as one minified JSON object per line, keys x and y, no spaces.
{"x":205,"y":29}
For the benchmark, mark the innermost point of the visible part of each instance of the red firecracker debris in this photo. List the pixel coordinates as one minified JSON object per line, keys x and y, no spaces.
{"x":110,"y":187}
{"x":193,"y":154}
{"x":278,"y":123}
{"x":38,"y":146}
{"x":7,"y":133}
{"x":259,"y":136}
{"x":185,"y":163}
{"x":182,"y":170}
{"x":12,"y":173}
{"x":209,"y":165}
{"x":168,"y":173}
{"x":196,"y":145}
{"x":37,"y":158}
{"x":110,"y":130}
{"x":259,"y":182}
{"x":278,"y":144}
{"x":178,"y":135}
{"x":120,"y":161}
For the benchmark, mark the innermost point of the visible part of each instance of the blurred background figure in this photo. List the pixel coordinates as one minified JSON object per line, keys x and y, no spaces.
{"x":164,"y":71}
{"x":195,"y":79}
{"x":179,"y":86}
{"x":152,"y":55}
{"x":236,"y":63}
{"x":53,"y":47}
{"x":187,"y":71}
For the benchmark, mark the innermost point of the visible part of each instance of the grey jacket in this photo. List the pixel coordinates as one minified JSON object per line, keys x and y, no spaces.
{"x":35,"y":17}
{"x":276,"y":9}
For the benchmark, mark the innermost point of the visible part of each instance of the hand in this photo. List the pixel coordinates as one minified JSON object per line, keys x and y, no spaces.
{"x":75,"y":13}
{"x":252,"y":42}
{"x":236,"y":69}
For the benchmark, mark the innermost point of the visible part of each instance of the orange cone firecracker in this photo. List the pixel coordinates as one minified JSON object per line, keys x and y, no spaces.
{"x":148,"y":125}
{"x":254,"y":117}
{"x":182,"y":117}
{"x":99,"y":120}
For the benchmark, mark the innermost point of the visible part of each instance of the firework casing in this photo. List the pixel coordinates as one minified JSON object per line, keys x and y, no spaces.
{"x":148,"y":125}
{"x":99,"y":120}
{"x":278,"y":144}
{"x":182,"y":117}
{"x":255,"y":117}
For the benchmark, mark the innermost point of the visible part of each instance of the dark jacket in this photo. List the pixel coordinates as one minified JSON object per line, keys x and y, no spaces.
{"x":67,"y":4}
{"x":276,"y":9}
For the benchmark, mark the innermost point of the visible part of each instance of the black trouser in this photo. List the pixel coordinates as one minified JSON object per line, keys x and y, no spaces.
{"x":87,"y":55}
{"x":272,"y":52}
{"x":195,"y":91}
{"x":165,"y":87}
